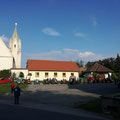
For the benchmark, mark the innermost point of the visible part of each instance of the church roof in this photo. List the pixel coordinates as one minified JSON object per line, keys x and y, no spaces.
{"x":47,"y":65}
{"x":98,"y":68}
{"x":4,"y":50}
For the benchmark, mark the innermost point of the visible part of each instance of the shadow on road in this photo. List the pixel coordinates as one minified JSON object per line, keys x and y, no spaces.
{"x":97,"y":88}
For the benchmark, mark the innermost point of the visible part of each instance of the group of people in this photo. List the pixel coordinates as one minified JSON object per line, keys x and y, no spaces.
{"x":16,"y":90}
{"x":50,"y":81}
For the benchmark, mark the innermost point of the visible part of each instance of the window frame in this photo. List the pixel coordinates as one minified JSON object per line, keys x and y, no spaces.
{"x":73,"y":74}
{"x":64,"y":75}
{"x":56,"y":73}
{"x":47,"y":75}
{"x":36,"y":74}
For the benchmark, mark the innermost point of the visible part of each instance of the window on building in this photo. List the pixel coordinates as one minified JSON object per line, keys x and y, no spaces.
{"x":15,"y":46}
{"x":72,"y":74}
{"x":55,"y":74}
{"x":46,"y":74}
{"x":37,"y":74}
{"x":64,"y":74}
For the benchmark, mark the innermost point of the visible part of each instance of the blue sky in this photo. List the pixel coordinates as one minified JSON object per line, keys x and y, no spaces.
{"x":63,"y":29}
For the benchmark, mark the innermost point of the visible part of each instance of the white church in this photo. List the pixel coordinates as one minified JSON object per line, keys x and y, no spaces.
{"x":10,"y":57}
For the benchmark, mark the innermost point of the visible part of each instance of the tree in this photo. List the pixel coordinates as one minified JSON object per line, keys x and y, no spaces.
{"x":114,"y":76}
{"x":5,"y":73}
{"x":80,"y":63}
{"x":117,"y":64}
{"x":111,"y":63}
{"x":89,"y":64}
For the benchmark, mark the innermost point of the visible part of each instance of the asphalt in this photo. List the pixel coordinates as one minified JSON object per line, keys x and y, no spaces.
{"x":50,"y":98}
{"x":57,"y":109}
{"x":8,"y":112}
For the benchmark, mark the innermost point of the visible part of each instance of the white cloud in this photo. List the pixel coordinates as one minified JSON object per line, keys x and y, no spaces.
{"x":79,"y":34}
{"x":44,"y":56}
{"x":66,"y":54}
{"x":4,"y":38}
{"x":50,"y":31}
{"x":94,"y":21}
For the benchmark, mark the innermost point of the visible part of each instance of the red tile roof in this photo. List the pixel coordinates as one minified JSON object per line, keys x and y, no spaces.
{"x":47,"y":65}
{"x":98,"y":68}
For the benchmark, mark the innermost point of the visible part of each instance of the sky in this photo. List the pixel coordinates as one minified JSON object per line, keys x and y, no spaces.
{"x":69,"y":30}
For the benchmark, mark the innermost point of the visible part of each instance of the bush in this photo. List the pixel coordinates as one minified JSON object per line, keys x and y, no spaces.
{"x":5,"y":73}
{"x":95,"y":75}
{"x":114,"y":76}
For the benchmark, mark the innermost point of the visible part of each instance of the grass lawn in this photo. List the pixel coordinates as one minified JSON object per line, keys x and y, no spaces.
{"x":93,"y":106}
{"x":5,"y":88}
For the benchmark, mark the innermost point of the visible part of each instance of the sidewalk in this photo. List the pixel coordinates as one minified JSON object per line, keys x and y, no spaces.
{"x":58,"y":109}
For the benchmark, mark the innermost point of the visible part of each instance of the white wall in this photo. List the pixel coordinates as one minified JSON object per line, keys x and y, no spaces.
{"x":17,"y":72}
{"x":51,"y":75}
{"x":6,"y":62}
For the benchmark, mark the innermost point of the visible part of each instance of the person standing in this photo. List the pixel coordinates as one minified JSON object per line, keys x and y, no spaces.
{"x":17,"y":91}
{"x":12,"y":87}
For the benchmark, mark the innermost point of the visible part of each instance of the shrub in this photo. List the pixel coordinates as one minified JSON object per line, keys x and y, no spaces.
{"x":5,"y":73}
{"x":114,"y":76}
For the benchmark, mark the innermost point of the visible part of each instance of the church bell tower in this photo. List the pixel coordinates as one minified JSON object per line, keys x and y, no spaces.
{"x":15,"y":48}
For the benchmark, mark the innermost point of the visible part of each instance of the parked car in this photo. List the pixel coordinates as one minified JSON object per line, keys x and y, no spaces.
{"x":5,"y":80}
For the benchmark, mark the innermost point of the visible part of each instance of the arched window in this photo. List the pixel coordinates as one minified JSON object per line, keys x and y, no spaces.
{"x":21,"y":74}
{"x":14,"y":45}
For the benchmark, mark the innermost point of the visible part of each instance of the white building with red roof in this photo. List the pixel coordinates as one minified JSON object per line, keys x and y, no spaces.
{"x":43,"y":69}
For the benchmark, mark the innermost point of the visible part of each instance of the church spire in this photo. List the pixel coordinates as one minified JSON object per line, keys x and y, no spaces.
{"x":15,"y":34}
{"x":15,"y":48}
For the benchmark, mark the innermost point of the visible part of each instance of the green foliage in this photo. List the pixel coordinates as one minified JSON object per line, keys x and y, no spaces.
{"x":13,"y":76}
{"x":117,"y":64}
{"x":5,"y":73}
{"x":93,"y":106}
{"x":95,"y":75}
{"x":114,"y":76}
{"x":89,"y":64}
{"x":111,"y":63}
{"x":80,"y":63}
{"x":5,"y":88}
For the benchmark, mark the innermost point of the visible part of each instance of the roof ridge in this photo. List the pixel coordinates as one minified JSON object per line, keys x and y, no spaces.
{"x":51,"y":60}
{"x":97,"y":66}
{"x":51,"y":65}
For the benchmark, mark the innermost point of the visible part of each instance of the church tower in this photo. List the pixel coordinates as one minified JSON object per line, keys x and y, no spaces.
{"x":15,"y":48}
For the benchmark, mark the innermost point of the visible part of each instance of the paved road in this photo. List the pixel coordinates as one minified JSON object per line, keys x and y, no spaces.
{"x":15,"y":112}
{"x":64,"y":95}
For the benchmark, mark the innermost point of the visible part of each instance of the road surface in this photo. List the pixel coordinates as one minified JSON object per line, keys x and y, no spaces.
{"x":16,"y":112}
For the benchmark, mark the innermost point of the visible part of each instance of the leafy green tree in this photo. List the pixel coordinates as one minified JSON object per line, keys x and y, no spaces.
{"x":5,"y":73}
{"x":89,"y":64}
{"x":95,"y":75}
{"x":114,"y":76}
{"x":80,"y":63}
{"x":117,"y":64}
{"x":13,"y":76}
{"x":111,"y":63}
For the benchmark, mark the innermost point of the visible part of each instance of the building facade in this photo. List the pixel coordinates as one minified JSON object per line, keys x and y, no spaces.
{"x":43,"y":69}
{"x":10,"y":57}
